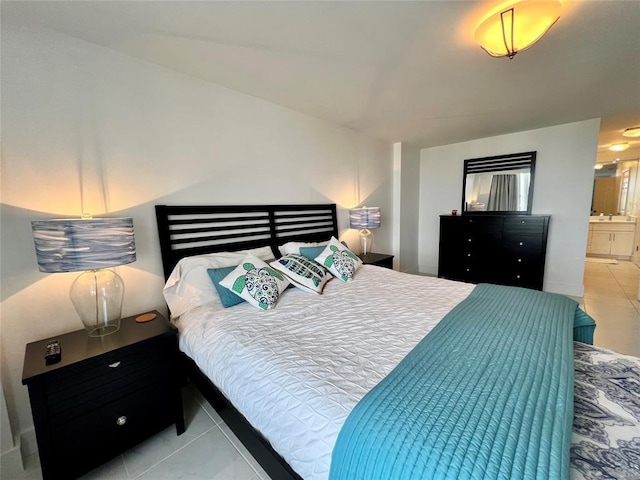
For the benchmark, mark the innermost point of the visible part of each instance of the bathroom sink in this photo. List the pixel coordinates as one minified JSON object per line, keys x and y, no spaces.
{"x":614,"y":219}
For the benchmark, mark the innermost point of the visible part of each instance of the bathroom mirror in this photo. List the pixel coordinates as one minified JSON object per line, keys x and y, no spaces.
{"x":501,"y":184}
{"x":615,"y":188}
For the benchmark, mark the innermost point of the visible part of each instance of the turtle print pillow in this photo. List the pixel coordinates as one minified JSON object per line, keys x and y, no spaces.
{"x":256,"y":282}
{"x":305,"y":274}
{"x":339,"y":260}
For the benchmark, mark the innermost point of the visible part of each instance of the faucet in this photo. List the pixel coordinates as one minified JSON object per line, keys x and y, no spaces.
{"x":610,"y":216}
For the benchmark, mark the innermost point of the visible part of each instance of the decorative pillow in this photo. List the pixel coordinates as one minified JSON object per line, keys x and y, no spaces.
{"x":302,"y":272}
{"x":227,"y":298}
{"x":256,"y":282}
{"x":340,"y":261}
{"x":189,"y":284}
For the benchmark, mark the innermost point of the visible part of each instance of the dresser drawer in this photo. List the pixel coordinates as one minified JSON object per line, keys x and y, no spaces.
{"x":525,"y":247}
{"x":526,"y":276}
{"x":524,"y":226}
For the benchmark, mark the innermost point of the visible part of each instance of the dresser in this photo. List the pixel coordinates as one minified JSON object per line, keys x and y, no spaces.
{"x":104,"y":396}
{"x":501,"y":249}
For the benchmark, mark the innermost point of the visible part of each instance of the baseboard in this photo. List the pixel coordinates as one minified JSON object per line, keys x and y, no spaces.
{"x":11,"y":464}
{"x":28,"y":442}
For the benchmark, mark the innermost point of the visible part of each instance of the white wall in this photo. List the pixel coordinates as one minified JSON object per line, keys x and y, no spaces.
{"x":88,"y":129}
{"x":563,"y":186}
{"x":406,"y":192}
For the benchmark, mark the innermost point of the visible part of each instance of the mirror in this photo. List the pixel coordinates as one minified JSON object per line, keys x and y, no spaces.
{"x":615,"y":188}
{"x":501,"y":184}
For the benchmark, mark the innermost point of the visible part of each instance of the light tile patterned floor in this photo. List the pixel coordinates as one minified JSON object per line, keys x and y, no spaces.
{"x":611,"y":298}
{"x":208,"y":450}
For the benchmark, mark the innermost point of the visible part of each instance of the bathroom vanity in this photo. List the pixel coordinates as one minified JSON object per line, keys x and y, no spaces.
{"x":611,"y":236}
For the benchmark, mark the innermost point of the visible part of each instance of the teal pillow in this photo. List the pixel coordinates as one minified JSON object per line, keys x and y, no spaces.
{"x":227,"y":298}
{"x":312,"y":252}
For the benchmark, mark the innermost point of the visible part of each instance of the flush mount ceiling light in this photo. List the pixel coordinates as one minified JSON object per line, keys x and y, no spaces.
{"x":632,"y":132}
{"x":516,"y":27}
{"x":619,"y":147}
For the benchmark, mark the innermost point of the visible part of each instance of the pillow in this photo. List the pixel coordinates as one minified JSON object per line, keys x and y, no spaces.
{"x":227,"y":298}
{"x":294,"y":247}
{"x":340,"y":261}
{"x":312,"y":252}
{"x":256,"y":282}
{"x":189,"y":284}
{"x":305,"y":274}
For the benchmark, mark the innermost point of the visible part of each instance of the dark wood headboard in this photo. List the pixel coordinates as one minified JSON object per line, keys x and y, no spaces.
{"x":199,"y":229}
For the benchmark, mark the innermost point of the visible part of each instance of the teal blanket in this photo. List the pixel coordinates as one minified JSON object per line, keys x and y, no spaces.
{"x":488,"y":394}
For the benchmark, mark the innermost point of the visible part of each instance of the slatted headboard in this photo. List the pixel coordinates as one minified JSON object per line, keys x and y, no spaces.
{"x":199,"y":229}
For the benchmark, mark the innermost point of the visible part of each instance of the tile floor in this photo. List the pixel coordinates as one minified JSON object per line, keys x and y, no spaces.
{"x":209,"y":450}
{"x":611,"y":298}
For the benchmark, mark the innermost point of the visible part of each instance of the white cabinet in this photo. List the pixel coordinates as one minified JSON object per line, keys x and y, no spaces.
{"x":615,"y":239}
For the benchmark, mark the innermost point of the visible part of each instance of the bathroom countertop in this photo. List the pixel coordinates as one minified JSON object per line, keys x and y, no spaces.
{"x":614,"y":219}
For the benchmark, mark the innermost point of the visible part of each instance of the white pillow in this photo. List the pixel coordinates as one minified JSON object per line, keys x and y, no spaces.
{"x":256,"y":282}
{"x":340,"y":261}
{"x":189,"y":284}
{"x":305,"y":274}
{"x":294,"y":247}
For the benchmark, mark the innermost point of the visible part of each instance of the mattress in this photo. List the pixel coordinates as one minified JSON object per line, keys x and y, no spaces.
{"x":296,"y":372}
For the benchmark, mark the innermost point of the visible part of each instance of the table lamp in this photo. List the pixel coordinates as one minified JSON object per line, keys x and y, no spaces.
{"x":92,"y":245}
{"x":365,"y":219}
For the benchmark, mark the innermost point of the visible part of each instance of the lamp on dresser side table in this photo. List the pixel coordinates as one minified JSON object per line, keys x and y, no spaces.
{"x":379,"y":259}
{"x":104,"y":396}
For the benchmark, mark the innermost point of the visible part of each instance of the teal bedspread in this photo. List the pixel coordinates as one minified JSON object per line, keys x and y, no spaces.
{"x":488,"y":394}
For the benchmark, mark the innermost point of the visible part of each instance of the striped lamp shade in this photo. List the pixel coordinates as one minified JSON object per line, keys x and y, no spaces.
{"x":73,"y":245}
{"x":364,"y":217}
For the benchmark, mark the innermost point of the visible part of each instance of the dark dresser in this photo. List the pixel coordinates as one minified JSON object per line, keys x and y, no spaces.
{"x":502,"y":249}
{"x":104,"y":396}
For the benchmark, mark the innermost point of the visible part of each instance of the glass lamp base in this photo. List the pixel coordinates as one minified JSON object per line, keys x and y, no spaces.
{"x":97,"y":296}
{"x":366,"y":240}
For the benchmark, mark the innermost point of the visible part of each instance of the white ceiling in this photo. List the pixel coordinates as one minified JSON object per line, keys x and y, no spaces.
{"x":396,"y":70}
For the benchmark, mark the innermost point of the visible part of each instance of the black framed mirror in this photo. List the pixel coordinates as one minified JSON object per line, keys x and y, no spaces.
{"x":502,"y":184}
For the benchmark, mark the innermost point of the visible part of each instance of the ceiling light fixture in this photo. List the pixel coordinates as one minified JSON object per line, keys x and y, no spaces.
{"x":517,"y":27}
{"x":598,"y":166}
{"x":619,"y":147}
{"x":632,"y":132}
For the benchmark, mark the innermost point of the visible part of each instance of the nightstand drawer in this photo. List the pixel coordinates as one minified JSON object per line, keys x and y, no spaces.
{"x":114,"y":371}
{"x":103,"y":433}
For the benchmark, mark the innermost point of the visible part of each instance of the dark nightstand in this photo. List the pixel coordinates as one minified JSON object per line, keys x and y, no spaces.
{"x":379,"y":259}
{"x":105,"y":395}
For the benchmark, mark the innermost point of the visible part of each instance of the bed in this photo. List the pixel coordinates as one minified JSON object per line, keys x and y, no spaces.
{"x":297,"y":374}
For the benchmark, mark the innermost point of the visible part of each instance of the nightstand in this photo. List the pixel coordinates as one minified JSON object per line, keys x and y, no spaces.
{"x":379,"y":259}
{"x":105,"y":395}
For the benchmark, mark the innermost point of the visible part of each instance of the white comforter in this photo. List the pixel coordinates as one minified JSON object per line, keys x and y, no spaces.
{"x":296,"y":372}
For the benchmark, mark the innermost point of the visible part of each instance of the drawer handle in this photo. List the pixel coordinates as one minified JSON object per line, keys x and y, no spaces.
{"x":522,"y":222}
{"x":114,"y":365}
{"x":121,"y":420}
